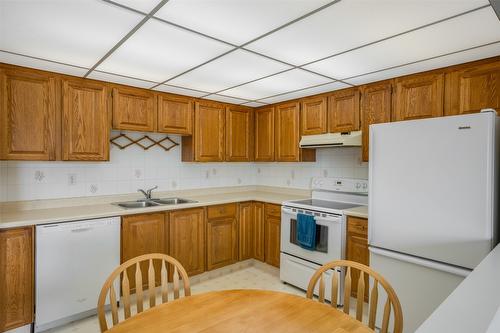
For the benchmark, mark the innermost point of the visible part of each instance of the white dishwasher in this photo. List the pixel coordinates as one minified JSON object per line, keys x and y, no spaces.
{"x":73,"y":259}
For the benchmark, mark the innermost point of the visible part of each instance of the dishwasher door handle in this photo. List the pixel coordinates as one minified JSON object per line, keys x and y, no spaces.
{"x":81,"y":229}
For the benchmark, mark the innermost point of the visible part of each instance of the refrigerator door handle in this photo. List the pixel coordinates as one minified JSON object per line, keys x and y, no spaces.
{"x":421,"y":262}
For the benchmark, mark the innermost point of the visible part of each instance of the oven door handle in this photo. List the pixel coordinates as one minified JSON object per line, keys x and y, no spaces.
{"x":330,"y":219}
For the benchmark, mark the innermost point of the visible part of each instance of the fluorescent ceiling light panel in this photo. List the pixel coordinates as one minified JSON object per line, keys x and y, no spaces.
{"x":96,"y":75}
{"x":142,"y":5}
{"x":306,"y":92}
{"x":78,"y":32}
{"x":351,"y":23}
{"x":179,"y":90}
{"x":449,"y":60}
{"x":158,"y":51}
{"x":474,"y":29}
{"x":19,"y":60}
{"x":235,"y":68}
{"x":236,"y":21}
{"x":277,"y":84}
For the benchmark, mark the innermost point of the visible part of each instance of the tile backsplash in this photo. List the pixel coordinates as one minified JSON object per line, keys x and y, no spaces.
{"x":135,"y":168}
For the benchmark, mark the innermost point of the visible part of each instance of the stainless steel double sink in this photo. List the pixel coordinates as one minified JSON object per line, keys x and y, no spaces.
{"x":144,"y":203}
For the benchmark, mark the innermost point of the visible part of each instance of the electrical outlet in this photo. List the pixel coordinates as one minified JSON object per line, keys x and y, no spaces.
{"x":71,"y":179}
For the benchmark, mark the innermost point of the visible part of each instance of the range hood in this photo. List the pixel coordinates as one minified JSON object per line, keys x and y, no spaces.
{"x":347,"y":139}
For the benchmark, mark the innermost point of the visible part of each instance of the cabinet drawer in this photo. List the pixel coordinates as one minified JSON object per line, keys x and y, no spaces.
{"x":228,"y":210}
{"x":273,"y":210}
{"x":357,"y":225}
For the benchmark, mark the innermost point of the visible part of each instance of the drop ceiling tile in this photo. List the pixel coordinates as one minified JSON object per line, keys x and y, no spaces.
{"x":348,"y":24}
{"x":226,"y":99}
{"x":448,"y":60}
{"x":477,"y":28}
{"x":277,"y":84}
{"x":179,"y":90}
{"x":158,"y":51}
{"x":20,"y":60}
{"x":306,"y":92}
{"x":254,"y":104}
{"x":143,"y":5}
{"x":230,"y":70}
{"x":108,"y":77}
{"x":78,"y":32}
{"x":236,"y":21}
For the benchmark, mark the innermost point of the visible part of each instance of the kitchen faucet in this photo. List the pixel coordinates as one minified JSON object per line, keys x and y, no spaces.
{"x":147,"y":193}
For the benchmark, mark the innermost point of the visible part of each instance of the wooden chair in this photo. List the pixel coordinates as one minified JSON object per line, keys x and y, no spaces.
{"x":108,"y":286}
{"x":392,"y":298}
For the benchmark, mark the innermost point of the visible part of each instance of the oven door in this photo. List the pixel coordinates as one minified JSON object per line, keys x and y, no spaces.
{"x":330,"y":235}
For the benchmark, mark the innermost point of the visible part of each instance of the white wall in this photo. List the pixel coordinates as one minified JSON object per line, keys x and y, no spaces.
{"x":135,"y":168}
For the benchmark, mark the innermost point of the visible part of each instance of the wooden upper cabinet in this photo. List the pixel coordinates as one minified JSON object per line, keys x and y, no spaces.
{"x":313,"y":115}
{"x":143,"y":234}
{"x":187,"y":239}
{"x":16,"y":278}
{"x":418,"y":96}
{"x":343,"y":110}
{"x":264,"y":134}
{"x":175,"y":115}
{"x":207,"y":143}
{"x":239,"y":134}
{"x":85,"y":121}
{"x":376,"y":106}
{"x":28,"y":115}
{"x":134,"y":109}
{"x":474,"y":88}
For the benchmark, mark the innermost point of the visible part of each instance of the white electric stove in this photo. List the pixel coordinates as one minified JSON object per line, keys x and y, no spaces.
{"x":329,"y":198}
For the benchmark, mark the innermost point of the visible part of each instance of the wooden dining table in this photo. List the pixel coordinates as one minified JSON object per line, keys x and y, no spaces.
{"x":242,"y":311}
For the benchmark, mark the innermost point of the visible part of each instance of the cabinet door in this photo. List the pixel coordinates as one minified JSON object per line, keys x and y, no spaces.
{"x":85,"y":130}
{"x":343,"y":111}
{"x":239,"y":134}
{"x":357,"y":249}
{"x":222,"y":243}
{"x":313,"y":115}
{"x":418,"y":96}
{"x":187,"y":239}
{"x":209,"y":132}
{"x":287,"y":132}
{"x":246,"y":230}
{"x":258,"y":239}
{"x":471,"y":89}
{"x":175,"y":115}
{"x":27,"y":116}
{"x":264,"y":134}
{"x":16,"y":278}
{"x":143,"y":234}
{"x":272,"y":234}
{"x":134,"y":109}
{"x":375,"y":108}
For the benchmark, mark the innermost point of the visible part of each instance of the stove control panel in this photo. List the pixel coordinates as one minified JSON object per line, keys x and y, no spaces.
{"x":349,"y":185}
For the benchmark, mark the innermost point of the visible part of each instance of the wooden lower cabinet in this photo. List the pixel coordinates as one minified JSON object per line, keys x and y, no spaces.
{"x":258,"y":247}
{"x":222,"y":237}
{"x":16,"y":278}
{"x":357,"y":249}
{"x":143,"y":234}
{"x":187,"y":238}
{"x":251,"y":230}
{"x":272,"y":234}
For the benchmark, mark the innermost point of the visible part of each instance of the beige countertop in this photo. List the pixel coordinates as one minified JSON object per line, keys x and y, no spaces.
{"x":360,"y":211}
{"x":20,"y":214}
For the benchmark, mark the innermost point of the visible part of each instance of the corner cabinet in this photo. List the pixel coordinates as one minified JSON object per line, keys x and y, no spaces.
{"x":175,"y":115}
{"x":207,"y":143}
{"x":251,"y":230}
{"x":287,"y":135}
{"x":474,"y":88}
{"x":272,"y":234}
{"x":187,"y":238}
{"x":343,"y":110}
{"x":16,"y":278}
{"x":239,"y":134}
{"x":222,"y":238}
{"x":28,"y":115}
{"x":134,"y":109}
{"x":357,"y":249}
{"x":376,"y":105}
{"x":85,"y":121}
{"x":264,"y":134}
{"x":313,"y":116}
{"x":418,"y":96}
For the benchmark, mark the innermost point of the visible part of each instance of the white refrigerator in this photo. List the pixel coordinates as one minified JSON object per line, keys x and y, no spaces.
{"x":432,"y":205}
